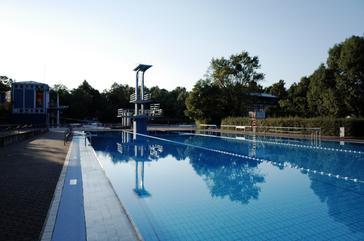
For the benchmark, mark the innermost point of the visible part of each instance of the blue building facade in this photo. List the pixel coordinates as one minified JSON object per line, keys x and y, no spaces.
{"x":30,"y":102}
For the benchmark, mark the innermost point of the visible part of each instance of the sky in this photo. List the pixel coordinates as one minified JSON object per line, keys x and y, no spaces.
{"x":68,"y":41}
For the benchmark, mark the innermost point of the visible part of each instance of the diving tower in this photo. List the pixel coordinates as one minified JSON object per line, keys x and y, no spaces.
{"x":140,"y":115}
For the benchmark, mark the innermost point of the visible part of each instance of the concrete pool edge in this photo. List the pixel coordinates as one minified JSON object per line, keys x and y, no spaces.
{"x":105,"y":218}
{"x":99,"y":199}
{"x":139,"y":236}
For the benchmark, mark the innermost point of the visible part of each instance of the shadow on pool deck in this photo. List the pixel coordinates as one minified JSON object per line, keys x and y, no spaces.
{"x":29,"y":172}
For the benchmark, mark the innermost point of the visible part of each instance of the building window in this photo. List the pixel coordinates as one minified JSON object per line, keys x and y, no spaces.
{"x":39,"y":99}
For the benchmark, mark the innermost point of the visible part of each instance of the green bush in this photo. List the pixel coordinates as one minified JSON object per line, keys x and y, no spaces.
{"x":354,"y":127}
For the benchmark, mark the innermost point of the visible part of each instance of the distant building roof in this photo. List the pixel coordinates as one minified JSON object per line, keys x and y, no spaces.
{"x":264,"y":95}
{"x":29,"y":83}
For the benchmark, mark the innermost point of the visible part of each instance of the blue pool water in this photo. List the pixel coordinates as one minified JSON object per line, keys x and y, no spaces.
{"x":198,"y":187}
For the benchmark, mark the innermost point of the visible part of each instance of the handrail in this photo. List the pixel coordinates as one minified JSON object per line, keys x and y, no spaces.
{"x":291,"y":127}
{"x":67,"y":134}
{"x":155,"y":111}
{"x":228,"y":126}
{"x":275,"y":127}
{"x":209,"y":125}
{"x":147,"y":96}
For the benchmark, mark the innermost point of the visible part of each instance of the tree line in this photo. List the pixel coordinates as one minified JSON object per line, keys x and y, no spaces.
{"x":87,"y":103}
{"x":334,"y":89}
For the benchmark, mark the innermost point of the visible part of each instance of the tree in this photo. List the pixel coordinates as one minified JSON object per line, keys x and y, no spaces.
{"x":278,"y":89}
{"x":63,"y":92}
{"x":239,"y":69}
{"x":60,"y":89}
{"x":86,"y":102}
{"x":225,"y":91}
{"x":116,"y":97}
{"x":321,"y":94}
{"x":5,"y":83}
{"x":178,"y":96}
{"x":172,"y":103}
{"x":347,"y":61}
{"x":204,"y":102}
{"x":296,"y":102}
{"x":335,"y":89}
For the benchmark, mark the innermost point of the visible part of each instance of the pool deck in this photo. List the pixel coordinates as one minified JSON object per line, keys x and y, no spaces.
{"x":85,"y":206}
{"x":29,"y":171}
{"x":106,"y":219}
{"x":55,"y":191}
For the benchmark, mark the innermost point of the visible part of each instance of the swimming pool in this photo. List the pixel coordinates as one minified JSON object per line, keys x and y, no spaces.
{"x":202,"y":187}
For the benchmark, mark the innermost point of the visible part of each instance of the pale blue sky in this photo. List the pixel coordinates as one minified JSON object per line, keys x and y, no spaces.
{"x":102,"y":41}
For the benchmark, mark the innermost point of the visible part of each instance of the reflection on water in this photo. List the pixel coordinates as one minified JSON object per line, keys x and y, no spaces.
{"x":338,"y":194}
{"x":225,"y":176}
{"x":241,"y":180}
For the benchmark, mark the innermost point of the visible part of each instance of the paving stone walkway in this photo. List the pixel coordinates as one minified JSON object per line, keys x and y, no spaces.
{"x":29,"y":172}
{"x":106,"y":219}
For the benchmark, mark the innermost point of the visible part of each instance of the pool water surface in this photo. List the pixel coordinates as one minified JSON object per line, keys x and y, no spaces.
{"x":200,"y":187}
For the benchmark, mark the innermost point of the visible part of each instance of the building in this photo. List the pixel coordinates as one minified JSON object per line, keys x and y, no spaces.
{"x":261,"y":101}
{"x":30,"y":102}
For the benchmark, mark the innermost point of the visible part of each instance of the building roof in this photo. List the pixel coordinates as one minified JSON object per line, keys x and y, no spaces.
{"x":29,"y":83}
{"x":264,"y":95}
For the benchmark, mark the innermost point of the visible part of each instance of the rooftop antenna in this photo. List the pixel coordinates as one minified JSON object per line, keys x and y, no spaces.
{"x":44,"y":73}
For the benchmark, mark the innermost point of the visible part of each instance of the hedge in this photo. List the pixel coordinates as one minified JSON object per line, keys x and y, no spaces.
{"x":354,"y":127}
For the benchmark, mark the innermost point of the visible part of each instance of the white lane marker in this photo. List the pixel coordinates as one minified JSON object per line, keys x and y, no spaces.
{"x":285,"y":144}
{"x":249,"y":157}
{"x":73,"y":182}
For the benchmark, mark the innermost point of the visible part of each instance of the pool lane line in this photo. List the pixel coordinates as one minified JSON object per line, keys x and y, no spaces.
{"x":293,"y":166}
{"x":308,"y":170}
{"x":282,"y":143}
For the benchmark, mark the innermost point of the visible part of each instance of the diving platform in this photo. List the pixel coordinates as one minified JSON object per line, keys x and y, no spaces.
{"x":139,"y":116}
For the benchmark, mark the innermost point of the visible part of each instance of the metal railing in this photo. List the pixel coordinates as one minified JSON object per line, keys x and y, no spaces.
{"x":147,"y":96}
{"x":208,"y":126}
{"x":313,"y":133}
{"x":148,"y":112}
{"x":68,"y":133}
{"x":10,"y":129}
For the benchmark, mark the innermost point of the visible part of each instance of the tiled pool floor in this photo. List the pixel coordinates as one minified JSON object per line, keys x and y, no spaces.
{"x":180,"y":187}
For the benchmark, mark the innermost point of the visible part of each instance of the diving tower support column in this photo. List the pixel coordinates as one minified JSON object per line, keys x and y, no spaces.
{"x":142,"y":94}
{"x":140,"y":117}
{"x":136,"y":105}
